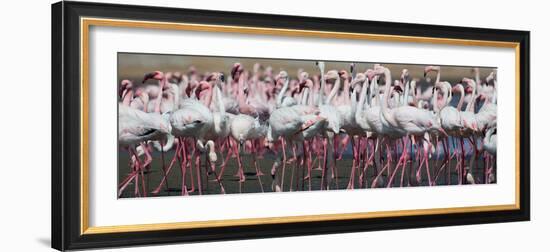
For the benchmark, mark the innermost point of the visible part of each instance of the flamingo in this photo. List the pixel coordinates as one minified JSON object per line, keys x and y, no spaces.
{"x":135,"y":127}
{"x":327,"y":110}
{"x":284,"y":122}
{"x":407,"y":120}
{"x":317,"y":115}
{"x":195,"y":120}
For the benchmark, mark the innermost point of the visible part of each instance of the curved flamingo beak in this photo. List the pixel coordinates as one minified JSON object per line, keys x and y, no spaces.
{"x":237,"y":68}
{"x":148,"y":76}
{"x":203,"y":85}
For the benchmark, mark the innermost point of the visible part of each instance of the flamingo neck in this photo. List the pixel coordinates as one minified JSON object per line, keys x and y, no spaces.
{"x":445,"y":100}
{"x":353,"y":101}
{"x":360,"y":104}
{"x":346,"y":91}
{"x":363,"y":95}
{"x":484,"y":102}
{"x":240,"y":95}
{"x":305,"y":96}
{"x":126,"y":99}
{"x":281,"y":94}
{"x":461,"y":100}
{"x":208,"y":99}
{"x":333,"y":91}
{"x":471,"y":106}
{"x":384,"y":107}
{"x":434,"y":100}
{"x":219,"y":100}
{"x":406,"y":94}
{"x":145,"y":99}
{"x":159,"y":97}
{"x":322,"y":87}
{"x":176,"y":92}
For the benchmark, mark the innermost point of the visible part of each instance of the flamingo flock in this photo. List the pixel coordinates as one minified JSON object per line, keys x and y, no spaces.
{"x":303,"y":125}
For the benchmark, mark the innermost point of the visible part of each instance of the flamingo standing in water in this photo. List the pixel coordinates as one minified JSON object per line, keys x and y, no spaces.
{"x":136,"y":127}
{"x":284,"y":122}
{"x":350,"y":125}
{"x":331,"y":113}
{"x":311,"y":115}
{"x":193,"y":120}
{"x":409,"y":121}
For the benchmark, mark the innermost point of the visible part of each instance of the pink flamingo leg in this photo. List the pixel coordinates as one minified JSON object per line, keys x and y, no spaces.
{"x":401,"y":162}
{"x":229,"y":154}
{"x":241,"y":169}
{"x":165,"y":175}
{"x":426,"y":159}
{"x":284,"y":164}
{"x":183,"y":167}
{"x":255,"y":162}
{"x":462,"y":168}
{"x":325,"y":158}
{"x":333,"y":169}
{"x":375,"y":181}
{"x":190,"y":166}
{"x":136,"y":167}
{"x":355,"y":150}
{"x":197,"y":159}
{"x":343,"y":144}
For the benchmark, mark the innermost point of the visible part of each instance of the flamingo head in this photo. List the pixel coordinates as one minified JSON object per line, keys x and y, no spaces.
{"x":429,"y":69}
{"x":157,"y":75}
{"x":397,"y":87}
{"x":281,"y":77}
{"x":303,"y":76}
{"x":468,"y":90}
{"x":358,"y":80}
{"x":215,"y":78}
{"x":125,"y":86}
{"x":186,"y":120}
{"x":405,"y":75}
{"x":177,"y":76}
{"x":470,"y":85}
{"x":457,"y":88}
{"x":203,"y":85}
{"x":192,"y":85}
{"x":379,"y":69}
{"x":370,"y":74}
{"x":236,"y":71}
{"x":343,"y":74}
{"x":313,"y":122}
{"x":140,"y":92}
{"x":331,"y":76}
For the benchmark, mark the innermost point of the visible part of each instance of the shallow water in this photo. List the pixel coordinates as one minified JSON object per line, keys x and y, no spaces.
{"x":293,"y":175}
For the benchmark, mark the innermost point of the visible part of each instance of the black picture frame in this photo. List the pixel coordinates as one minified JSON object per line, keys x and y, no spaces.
{"x":66,"y":155}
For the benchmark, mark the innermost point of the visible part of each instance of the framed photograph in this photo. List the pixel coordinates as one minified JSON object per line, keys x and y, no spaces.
{"x":180,"y":125}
